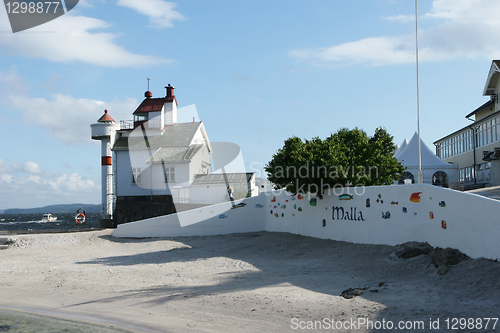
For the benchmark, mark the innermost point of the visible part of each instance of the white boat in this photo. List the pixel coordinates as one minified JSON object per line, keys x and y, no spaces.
{"x":48,"y":218}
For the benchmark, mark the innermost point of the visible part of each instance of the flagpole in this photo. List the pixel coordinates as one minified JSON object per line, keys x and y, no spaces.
{"x":420,"y":179}
{"x":261,"y":166}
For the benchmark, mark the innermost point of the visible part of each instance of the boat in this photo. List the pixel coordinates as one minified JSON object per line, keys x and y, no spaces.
{"x":48,"y":218}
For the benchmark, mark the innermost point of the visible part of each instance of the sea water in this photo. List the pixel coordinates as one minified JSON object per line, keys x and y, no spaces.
{"x":65,"y":221}
{"x":23,"y":322}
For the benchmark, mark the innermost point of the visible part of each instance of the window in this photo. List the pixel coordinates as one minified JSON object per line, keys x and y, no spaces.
{"x":440,"y":178}
{"x":406,"y":175}
{"x":169,"y":174}
{"x":141,"y":116}
{"x":136,"y":176}
{"x":466,"y":175}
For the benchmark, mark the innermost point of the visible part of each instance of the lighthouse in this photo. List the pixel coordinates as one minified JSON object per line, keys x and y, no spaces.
{"x":105,"y":131}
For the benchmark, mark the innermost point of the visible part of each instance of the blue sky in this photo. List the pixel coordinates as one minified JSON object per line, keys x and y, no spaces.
{"x":281,"y":67}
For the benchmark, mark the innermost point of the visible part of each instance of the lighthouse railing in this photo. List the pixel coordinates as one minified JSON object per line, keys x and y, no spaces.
{"x":126,"y":124}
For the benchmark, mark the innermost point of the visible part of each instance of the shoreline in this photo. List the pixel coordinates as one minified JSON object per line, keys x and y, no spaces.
{"x":113,"y":324}
{"x":45,"y":231}
{"x":258,"y":281}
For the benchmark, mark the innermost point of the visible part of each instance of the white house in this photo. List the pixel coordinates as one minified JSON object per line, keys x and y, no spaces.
{"x":160,"y":161}
{"x":475,"y":148}
{"x":156,"y":157}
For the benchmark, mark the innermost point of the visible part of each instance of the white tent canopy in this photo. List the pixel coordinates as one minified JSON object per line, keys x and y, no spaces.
{"x":401,"y":148}
{"x":431,"y":164}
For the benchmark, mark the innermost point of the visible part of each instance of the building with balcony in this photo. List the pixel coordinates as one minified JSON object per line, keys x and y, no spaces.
{"x":475,"y":148}
{"x":158,"y":165}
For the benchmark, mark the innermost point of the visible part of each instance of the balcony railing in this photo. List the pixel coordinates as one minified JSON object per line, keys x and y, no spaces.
{"x":130,"y":124}
{"x":126,"y":124}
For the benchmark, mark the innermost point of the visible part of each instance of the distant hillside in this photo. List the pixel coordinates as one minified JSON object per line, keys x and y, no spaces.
{"x":53,"y":209}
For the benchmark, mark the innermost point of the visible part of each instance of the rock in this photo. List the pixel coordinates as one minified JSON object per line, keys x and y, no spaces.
{"x":446,"y":257}
{"x":412,"y":249}
{"x":352,"y":292}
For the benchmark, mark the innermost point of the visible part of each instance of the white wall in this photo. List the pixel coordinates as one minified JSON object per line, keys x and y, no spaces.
{"x":210,"y":220}
{"x":472,"y":221}
{"x":124,"y":185}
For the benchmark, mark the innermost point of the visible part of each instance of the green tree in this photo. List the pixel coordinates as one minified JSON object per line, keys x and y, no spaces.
{"x":345,"y":158}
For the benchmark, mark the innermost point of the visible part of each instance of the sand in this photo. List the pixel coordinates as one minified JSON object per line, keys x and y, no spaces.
{"x":254,"y":282}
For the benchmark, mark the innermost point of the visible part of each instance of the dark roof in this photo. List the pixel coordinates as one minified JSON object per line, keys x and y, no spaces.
{"x":177,"y":135}
{"x":154,"y":104}
{"x":174,"y":154}
{"x":105,"y":117}
{"x":485,"y":105}
{"x":219,"y":178}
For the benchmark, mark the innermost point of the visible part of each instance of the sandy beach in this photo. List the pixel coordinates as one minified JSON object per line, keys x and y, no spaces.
{"x":266,"y":282}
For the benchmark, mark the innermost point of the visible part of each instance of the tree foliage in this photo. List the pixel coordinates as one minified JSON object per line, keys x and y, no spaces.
{"x":345,"y":158}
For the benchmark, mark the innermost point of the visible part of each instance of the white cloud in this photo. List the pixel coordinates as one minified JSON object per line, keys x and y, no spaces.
{"x":27,"y":180}
{"x":70,"y":39}
{"x":161,"y":13}
{"x":465,"y":29}
{"x":65,"y":118}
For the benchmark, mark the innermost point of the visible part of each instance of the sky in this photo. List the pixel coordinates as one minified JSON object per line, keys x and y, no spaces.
{"x":254,"y":70}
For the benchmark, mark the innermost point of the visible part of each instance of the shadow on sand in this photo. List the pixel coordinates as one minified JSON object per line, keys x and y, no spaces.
{"x":409,"y":289}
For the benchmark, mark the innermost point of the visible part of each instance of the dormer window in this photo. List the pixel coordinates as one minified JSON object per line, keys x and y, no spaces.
{"x":141,"y":116}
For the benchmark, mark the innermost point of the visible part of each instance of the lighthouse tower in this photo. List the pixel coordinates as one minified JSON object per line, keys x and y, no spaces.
{"x":105,"y":130}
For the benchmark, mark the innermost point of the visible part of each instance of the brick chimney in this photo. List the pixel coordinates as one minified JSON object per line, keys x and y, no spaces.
{"x":170,"y":90}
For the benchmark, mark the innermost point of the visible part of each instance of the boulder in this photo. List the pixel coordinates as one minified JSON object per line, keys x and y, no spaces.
{"x":412,"y":249}
{"x":447,"y":257}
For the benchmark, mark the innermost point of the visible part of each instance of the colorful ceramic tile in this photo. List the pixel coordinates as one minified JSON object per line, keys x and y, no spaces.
{"x":368,"y":202}
{"x":258,"y":206}
{"x":442,"y":204}
{"x":443,"y":224}
{"x":415,"y":197}
{"x":324,"y":223}
{"x":431,"y":215}
{"x":394,"y":203}
{"x":300,"y":209}
{"x":312,"y":202}
{"x":405,"y":210}
{"x":386,"y":215}
{"x":223,"y":216}
{"x":345,"y":197}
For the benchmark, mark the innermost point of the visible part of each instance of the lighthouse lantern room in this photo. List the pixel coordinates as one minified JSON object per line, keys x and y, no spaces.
{"x":105,"y":131}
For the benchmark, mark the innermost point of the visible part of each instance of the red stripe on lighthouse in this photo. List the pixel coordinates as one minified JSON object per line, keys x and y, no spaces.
{"x":106,"y":160}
